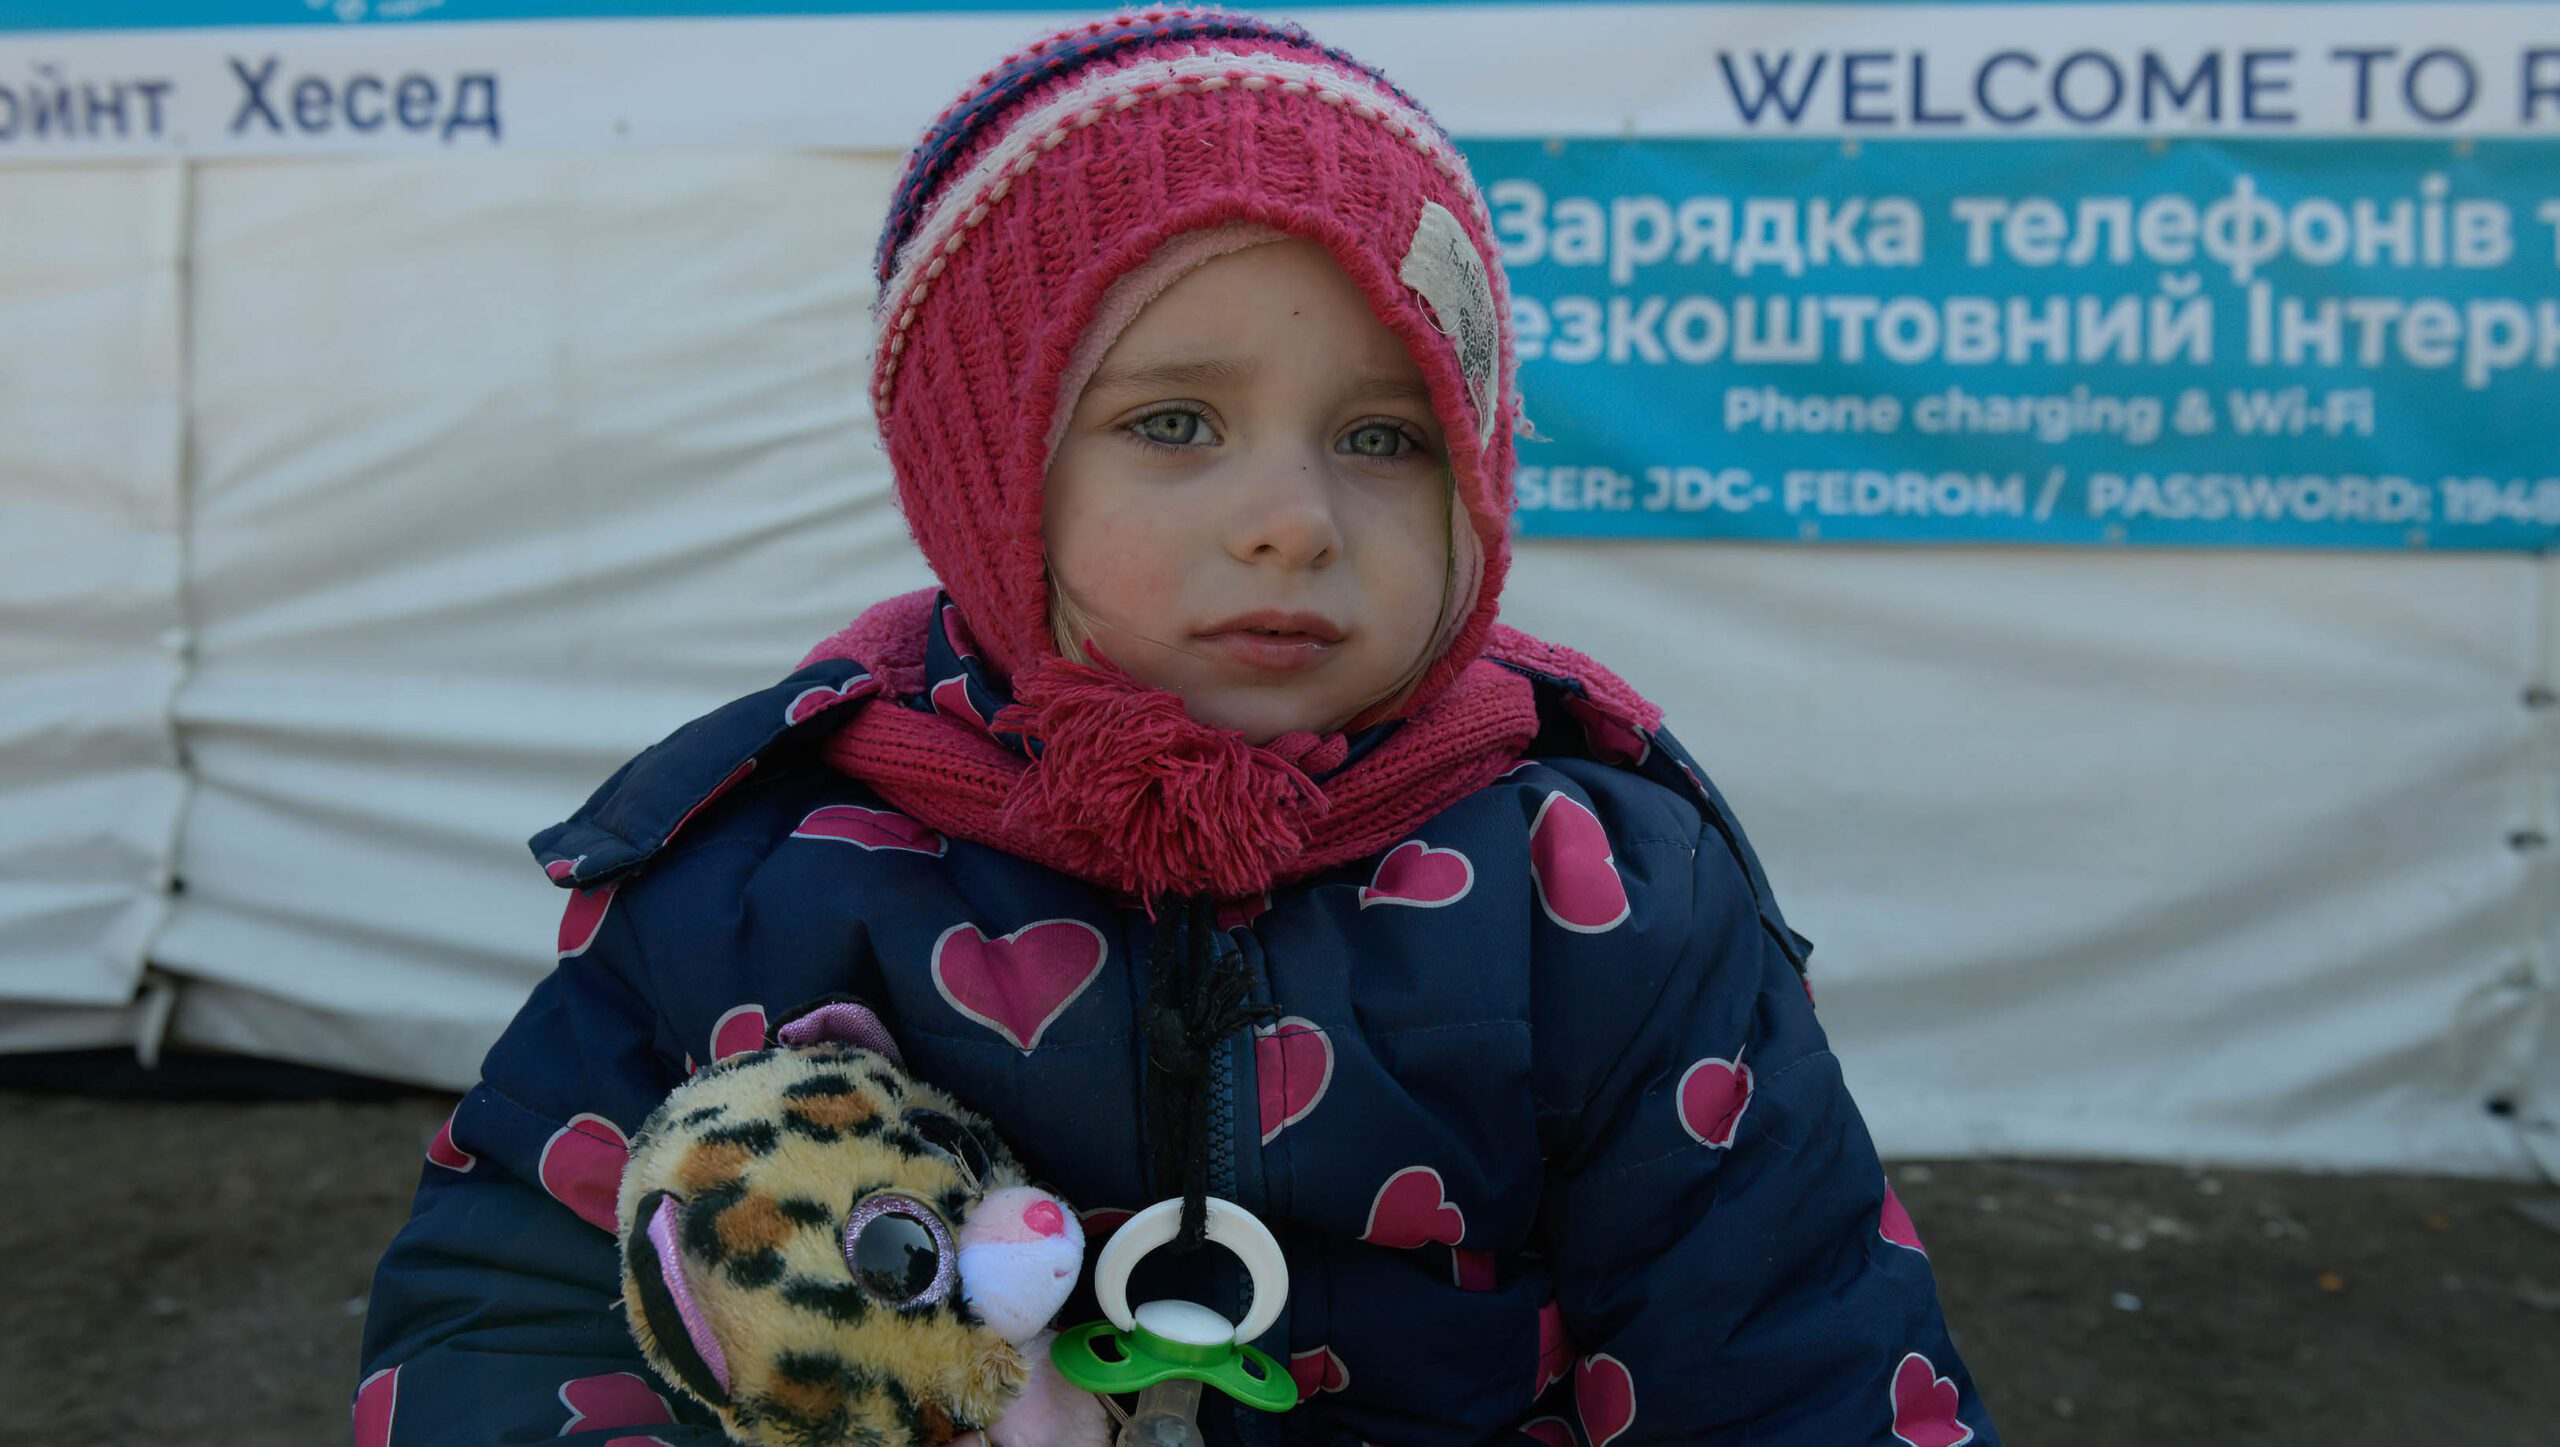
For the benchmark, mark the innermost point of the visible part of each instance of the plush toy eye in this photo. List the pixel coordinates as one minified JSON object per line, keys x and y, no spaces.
{"x":895,"y":1258}
{"x":952,"y":1139}
{"x":900,"y":1251}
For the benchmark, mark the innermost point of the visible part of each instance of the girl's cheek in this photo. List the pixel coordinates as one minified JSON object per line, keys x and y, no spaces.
{"x":1410,"y":526}
{"x":1126,"y":573}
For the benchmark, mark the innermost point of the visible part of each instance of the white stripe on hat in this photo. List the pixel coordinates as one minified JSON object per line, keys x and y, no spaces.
{"x":963,"y":203}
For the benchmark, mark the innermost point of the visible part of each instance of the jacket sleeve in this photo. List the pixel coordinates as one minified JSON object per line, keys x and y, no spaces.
{"x":496,"y":1313}
{"x":1729,"y":1263}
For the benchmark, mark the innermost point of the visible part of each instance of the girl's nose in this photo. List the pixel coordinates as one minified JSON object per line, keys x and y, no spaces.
{"x":1286,"y":515}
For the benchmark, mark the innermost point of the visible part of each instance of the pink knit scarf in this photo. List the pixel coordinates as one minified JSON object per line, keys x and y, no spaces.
{"x":1126,"y":790}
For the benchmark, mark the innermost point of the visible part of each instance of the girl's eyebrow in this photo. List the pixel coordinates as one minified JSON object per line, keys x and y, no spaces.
{"x":1172,"y":372}
{"x":1392,"y":387}
{"x":1215,"y":370}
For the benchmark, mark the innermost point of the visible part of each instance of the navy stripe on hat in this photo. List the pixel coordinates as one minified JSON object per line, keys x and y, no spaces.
{"x":1061,"y":55}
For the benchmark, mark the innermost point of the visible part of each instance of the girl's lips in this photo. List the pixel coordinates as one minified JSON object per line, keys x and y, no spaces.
{"x":1266,"y":652}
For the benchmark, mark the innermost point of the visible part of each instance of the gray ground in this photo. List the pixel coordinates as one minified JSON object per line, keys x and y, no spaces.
{"x":194,"y":1273}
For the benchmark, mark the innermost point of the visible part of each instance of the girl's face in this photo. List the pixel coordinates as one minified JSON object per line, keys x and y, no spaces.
{"x":1250,"y":506}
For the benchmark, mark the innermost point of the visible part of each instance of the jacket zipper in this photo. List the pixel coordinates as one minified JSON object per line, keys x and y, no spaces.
{"x":1222,"y":1071}
{"x":1202,"y":952}
{"x":1252,"y":1429}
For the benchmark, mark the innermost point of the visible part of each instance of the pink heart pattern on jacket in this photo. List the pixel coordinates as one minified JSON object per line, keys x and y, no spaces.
{"x":1574,"y":868}
{"x":872,"y":829}
{"x":739,"y":1031}
{"x":957,"y":634}
{"x":808,"y":703}
{"x":443,"y":1152}
{"x":951,"y":699}
{"x":1549,"y":1431}
{"x":582,"y":1168}
{"x":1713,"y":1094}
{"x":583,"y":919}
{"x":1019,"y":984}
{"x":1924,"y":1406}
{"x":1100,"y":1221}
{"x":1613,"y":740}
{"x":1894,"y":1224}
{"x":1413,"y":1209}
{"x":376,"y":1397}
{"x":1604,"y":1397}
{"x":1414,"y":873}
{"x":1555,"y":1350}
{"x":615,"y":1399}
{"x":1293,"y":1066}
{"x":1318,"y":1370}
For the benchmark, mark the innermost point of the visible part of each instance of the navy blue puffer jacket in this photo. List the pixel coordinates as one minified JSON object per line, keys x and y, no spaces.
{"x":1541,"y":1114}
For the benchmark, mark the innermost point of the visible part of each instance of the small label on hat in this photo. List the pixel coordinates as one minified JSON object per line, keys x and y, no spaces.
{"x":1444,"y":270}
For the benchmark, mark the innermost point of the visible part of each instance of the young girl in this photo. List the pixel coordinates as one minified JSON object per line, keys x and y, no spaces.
{"x":1207,"y":832}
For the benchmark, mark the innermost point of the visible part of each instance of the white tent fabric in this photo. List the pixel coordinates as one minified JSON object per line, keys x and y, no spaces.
{"x":92,"y":635}
{"x":2195,"y":855}
{"x":504,"y":470}
{"x":498,"y":469}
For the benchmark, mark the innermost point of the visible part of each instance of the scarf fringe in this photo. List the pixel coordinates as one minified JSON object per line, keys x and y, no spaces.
{"x":1129,"y":786}
{"x":1131,"y":793}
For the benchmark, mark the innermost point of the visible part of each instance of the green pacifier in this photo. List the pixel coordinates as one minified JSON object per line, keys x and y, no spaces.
{"x":1166,"y":1350}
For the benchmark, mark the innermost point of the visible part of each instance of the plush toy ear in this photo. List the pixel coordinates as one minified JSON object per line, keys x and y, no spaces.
{"x":654,"y":1261}
{"x":840,"y":1020}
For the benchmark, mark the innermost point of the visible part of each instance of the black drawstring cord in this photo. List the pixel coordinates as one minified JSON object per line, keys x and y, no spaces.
{"x":1195,"y":1000}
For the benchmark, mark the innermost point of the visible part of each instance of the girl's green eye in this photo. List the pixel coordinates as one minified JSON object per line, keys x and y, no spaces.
{"x":1377,"y":439}
{"x":1173,"y":429}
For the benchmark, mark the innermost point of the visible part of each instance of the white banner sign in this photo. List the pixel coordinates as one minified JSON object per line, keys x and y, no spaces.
{"x":869,"y":80}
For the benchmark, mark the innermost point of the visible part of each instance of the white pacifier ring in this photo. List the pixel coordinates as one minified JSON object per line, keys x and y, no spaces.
{"x":1231,"y":1226}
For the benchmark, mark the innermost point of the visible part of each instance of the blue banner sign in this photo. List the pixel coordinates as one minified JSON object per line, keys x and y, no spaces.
{"x":2281,"y":274}
{"x":2295,"y":344}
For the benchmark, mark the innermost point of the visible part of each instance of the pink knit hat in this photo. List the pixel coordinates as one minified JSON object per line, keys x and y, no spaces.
{"x":1107,"y":152}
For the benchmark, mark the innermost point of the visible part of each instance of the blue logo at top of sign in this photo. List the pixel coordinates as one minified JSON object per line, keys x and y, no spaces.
{"x":210,"y":14}
{"x":202,"y":14}
{"x":355,"y":11}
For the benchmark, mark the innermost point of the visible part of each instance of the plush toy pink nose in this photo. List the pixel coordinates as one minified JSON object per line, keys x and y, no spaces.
{"x":1020,"y":1254}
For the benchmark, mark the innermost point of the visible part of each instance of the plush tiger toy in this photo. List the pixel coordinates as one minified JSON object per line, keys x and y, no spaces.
{"x":828,"y":1252}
